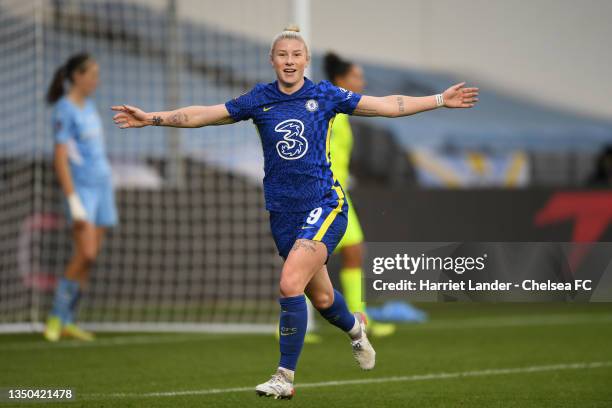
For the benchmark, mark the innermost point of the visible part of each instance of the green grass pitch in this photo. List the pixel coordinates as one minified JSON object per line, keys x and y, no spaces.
{"x":468,"y":355}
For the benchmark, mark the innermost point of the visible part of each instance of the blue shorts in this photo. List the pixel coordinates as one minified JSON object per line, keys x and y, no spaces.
{"x":99,"y":203}
{"x":326,"y":224}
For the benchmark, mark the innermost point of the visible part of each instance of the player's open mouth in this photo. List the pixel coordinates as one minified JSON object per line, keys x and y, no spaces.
{"x":289,"y":71}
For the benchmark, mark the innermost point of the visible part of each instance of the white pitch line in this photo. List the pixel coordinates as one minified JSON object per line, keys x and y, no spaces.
{"x":410,"y":378}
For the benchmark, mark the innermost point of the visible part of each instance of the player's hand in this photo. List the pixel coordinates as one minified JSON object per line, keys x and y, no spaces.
{"x":130,"y":117}
{"x":77,"y":210}
{"x":459,"y":97}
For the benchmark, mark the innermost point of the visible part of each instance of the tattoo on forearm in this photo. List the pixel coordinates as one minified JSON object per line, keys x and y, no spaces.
{"x":304,"y":243}
{"x":365,"y":112}
{"x":178,"y":118}
{"x":400,"y":104}
{"x":156,"y":121}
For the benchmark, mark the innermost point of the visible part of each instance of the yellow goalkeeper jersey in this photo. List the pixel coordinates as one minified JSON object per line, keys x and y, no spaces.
{"x":341,"y":145}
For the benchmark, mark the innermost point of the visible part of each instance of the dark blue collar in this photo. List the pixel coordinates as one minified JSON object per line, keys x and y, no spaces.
{"x":306,"y":86}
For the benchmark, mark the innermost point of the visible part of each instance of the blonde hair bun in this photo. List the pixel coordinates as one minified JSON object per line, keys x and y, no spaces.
{"x":293,"y":27}
{"x":292,"y":32}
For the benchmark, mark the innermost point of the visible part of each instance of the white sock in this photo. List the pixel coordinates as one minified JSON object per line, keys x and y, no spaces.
{"x":355,"y":332}
{"x":289,"y":374}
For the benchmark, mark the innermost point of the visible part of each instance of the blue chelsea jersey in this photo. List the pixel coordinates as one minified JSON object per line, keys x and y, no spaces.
{"x":295,"y":133}
{"x":80,"y":128}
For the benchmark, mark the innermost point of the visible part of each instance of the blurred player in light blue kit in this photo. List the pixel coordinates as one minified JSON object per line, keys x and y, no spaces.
{"x":84,"y":175}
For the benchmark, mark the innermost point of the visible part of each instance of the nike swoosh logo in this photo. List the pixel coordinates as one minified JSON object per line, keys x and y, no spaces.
{"x":306,"y":227}
{"x":267,"y":108}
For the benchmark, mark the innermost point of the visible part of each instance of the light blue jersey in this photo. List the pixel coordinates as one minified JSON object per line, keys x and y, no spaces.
{"x":80,"y":128}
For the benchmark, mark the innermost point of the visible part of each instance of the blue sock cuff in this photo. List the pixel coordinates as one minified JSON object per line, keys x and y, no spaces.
{"x":72,"y":285}
{"x":293,"y":303}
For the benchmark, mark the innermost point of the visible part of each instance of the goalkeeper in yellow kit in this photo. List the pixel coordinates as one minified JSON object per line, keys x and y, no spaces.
{"x":349,"y":76}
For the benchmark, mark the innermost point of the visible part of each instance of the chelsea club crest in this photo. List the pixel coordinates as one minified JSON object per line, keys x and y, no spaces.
{"x":311,"y":105}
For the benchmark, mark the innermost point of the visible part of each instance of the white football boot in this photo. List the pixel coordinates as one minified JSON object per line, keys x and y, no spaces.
{"x":362,"y":349}
{"x":279,"y":387}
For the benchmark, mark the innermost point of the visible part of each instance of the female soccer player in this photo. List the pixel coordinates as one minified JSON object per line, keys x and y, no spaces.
{"x":349,"y":76}
{"x":308,"y":209}
{"x":84,"y":175}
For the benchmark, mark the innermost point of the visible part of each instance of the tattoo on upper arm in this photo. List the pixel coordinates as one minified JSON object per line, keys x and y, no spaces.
{"x":304,"y":243}
{"x":178,"y":118}
{"x":156,"y":121}
{"x":365,"y":112}
{"x":400,"y":104}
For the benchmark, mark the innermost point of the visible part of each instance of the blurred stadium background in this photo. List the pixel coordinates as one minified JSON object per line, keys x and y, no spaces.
{"x":194,"y":246}
{"x":193,"y":250}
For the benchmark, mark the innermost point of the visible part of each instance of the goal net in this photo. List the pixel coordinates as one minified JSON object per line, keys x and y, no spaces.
{"x":193,"y":249}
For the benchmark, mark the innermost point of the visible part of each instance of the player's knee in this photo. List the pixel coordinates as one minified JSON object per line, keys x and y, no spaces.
{"x":322,"y":300}
{"x":88,"y":255}
{"x":353,"y":256}
{"x":291,"y":285}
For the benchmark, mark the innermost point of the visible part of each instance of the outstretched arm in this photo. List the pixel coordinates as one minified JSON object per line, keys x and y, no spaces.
{"x":393,"y":106}
{"x":189,"y":117}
